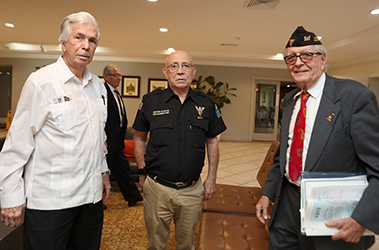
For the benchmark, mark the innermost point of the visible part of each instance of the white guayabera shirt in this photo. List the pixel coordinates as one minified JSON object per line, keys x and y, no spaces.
{"x":58,"y":136}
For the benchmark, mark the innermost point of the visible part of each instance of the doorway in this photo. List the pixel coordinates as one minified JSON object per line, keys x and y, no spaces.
{"x":265,"y":110}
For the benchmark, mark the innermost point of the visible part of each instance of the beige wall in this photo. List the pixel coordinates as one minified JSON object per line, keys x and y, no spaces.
{"x":236,"y":116}
{"x":370,"y":69}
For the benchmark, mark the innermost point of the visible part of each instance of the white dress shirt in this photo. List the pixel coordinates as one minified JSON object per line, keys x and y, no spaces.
{"x":312,"y":103}
{"x":57,"y":138}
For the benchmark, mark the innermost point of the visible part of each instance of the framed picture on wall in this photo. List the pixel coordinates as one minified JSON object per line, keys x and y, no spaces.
{"x":155,"y":83}
{"x":131,"y":86}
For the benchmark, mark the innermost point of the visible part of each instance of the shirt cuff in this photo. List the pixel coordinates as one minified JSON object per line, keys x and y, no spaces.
{"x":12,"y":199}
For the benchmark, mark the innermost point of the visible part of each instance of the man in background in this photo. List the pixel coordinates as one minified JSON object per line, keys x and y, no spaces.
{"x":329,"y":125}
{"x":115,"y":129}
{"x":57,"y":141}
{"x":181,"y":122}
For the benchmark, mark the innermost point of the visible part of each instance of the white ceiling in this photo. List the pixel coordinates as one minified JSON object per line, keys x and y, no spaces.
{"x":129,"y":29}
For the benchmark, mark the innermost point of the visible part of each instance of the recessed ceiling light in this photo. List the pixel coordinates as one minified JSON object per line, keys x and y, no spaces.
{"x":153,"y":1}
{"x":171,"y":50}
{"x":319,"y":37}
{"x":375,"y":12}
{"x":163,"y":29}
{"x":10,"y":25}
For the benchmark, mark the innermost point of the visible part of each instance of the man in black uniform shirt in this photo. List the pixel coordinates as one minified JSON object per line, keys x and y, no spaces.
{"x":181,"y":122}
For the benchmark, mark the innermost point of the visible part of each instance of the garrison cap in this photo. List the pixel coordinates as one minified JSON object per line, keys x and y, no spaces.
{"x":300,"y":37}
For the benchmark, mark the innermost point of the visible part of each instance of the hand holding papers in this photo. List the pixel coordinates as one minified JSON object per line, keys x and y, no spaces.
{"x":328,"y":197}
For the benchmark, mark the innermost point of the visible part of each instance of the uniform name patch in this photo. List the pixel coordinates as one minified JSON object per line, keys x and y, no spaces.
{"x":161,"y":112}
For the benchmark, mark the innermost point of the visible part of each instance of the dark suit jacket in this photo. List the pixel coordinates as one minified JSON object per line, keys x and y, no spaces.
{"x":115,"y":137}
{"x":347,"y":143}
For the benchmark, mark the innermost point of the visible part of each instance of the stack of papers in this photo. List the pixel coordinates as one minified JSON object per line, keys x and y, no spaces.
{"x":328,"y":197}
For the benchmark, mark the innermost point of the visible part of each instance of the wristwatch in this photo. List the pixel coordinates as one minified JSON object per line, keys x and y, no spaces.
{"x":108,"y":172}
{"x":142,"y":170}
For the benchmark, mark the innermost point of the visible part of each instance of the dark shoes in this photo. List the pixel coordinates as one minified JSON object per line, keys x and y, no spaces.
{"x":133,"y":202}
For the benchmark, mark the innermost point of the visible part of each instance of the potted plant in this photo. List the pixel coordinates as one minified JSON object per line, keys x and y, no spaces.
{"x":217,"y":91}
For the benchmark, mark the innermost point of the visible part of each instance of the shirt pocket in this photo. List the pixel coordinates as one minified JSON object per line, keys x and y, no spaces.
{"x":199,"y":132}
{"x":101,"y":102}
{"x":65,"y":115}
{"x":162,"y":132}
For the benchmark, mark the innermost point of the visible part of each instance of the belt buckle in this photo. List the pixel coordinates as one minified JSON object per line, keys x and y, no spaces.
{"x":181,"y":184}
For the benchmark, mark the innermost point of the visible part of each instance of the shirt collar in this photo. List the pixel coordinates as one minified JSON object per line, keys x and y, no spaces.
{"x":111,"y":87}
{"x":67,"y":74}
{"x":169,"y":93}
{"x":316,"y":89}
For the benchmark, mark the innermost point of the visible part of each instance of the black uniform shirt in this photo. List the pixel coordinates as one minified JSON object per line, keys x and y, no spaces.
{"x":178,"y":132}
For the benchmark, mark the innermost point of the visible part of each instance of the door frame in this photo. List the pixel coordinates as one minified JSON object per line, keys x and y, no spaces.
{"x":261,"y":136}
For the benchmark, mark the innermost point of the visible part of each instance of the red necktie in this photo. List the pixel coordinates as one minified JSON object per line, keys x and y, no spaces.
{"x":296,"y":153}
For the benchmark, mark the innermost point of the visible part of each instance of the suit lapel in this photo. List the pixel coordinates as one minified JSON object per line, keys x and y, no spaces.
{"x":327,"y":114}
{"x":112,"y":100}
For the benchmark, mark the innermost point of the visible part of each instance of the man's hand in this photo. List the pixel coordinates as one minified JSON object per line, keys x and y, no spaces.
{"x":12,"y":216}
{"x":261,"y":209}
{"x":350,"y":230}
{"x":142,"y":179}
{"x":209,"y":188}
{"x":106,"y":187}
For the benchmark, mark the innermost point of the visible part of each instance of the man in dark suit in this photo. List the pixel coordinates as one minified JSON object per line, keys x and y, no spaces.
{"x":115,"y":129}
{"x":341,"y":134}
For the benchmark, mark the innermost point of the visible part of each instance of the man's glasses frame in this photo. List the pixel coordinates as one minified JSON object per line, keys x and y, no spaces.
{"x":175,"y":66}
{"x":305,"y":57}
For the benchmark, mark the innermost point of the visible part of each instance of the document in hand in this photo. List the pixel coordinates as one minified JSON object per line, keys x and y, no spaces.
{"x":328,"y":196}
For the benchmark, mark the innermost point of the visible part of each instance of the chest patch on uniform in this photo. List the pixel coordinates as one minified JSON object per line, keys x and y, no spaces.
{"x":200,"y":111}
{"x":161,"y":112}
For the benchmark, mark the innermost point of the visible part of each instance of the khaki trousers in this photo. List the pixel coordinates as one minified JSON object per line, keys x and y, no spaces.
{"x":162,"y":203}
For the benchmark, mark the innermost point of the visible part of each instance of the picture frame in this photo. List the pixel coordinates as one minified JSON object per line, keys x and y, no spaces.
{"x":155,"y":83}
{"x":131,"y":86}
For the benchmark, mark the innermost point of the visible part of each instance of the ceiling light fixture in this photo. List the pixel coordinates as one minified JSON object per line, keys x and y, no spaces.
{"x":375,"y":12}
{"x":10,"y":25}
{"x":319,"y":37}
{"x":153,"y":1}
{"x":163,"y":30}
{"x":171,"y":50}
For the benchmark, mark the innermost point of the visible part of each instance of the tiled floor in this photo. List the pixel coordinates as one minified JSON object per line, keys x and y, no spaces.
{"x":240,"y":162}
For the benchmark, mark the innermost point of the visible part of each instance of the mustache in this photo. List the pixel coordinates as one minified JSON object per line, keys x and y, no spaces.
{"x":86,"y":54}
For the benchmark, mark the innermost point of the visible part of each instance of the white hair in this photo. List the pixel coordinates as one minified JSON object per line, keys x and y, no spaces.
{"x":80,"y":17}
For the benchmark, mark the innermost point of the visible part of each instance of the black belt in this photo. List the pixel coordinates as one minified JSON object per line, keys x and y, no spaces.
{"x":177,"y":185}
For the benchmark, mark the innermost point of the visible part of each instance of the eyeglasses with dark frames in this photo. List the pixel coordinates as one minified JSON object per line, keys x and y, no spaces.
{"x":304,"y":57}
{"x":175,"y":66}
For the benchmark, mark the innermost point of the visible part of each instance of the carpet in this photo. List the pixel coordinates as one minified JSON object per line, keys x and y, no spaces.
{"x":124,"y":226}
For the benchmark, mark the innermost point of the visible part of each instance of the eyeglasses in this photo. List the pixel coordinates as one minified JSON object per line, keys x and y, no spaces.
{"x":175,"y":66}
{"x":304,"y":57}
{"x":115,"y":75}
